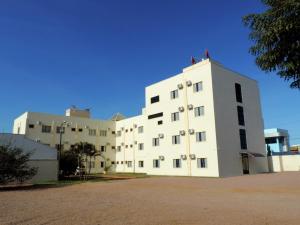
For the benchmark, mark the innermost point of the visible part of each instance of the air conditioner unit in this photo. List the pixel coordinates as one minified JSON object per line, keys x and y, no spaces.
{"x":38,"y":140}
{"x":181,"y":109}
{"x":183,"y":157}
{"x":180,"y":86}
{"x":122,"y":128}
{"x":108,"y":144}
{"x":190,"y":106}
{"x":39,"y":122}
{"x":191,"y":131}
{"x":108,"y":129}
{"x":161,"y":157}
{"x":189,"y":83}
{"x":182,"y":132}
{"x":66,"y":142}
{"x":135,"y":142}
{"x":135,"y":126}
{"x":192,"y":156}
{"x":87,"y":127}
{"x":122,"y":143}
{"x":161,"y":136}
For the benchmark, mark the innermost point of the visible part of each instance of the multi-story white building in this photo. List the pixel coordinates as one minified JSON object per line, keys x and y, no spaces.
{"x":205,"y":121}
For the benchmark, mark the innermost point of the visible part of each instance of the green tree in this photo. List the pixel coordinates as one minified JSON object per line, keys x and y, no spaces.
{"x":87,"y":150}
{"x":14,"y":165}
{"x":69,"y":162}
{"x":276,"y":34}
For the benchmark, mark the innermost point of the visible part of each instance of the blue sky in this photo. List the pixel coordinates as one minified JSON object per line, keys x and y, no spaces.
{"x":101,"y":54}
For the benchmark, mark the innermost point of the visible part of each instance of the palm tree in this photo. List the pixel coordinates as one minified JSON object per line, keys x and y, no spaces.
{"x":85,"y":149}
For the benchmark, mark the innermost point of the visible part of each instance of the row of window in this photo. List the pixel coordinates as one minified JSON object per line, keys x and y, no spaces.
{"x":177,"y":163}
{"x":92,"y":132}
{"x":197,"y":87}
{"x":240,"y":113}
{"x":200,"y":137}
{"x":140,"y":131}
{"x":201,"y":163}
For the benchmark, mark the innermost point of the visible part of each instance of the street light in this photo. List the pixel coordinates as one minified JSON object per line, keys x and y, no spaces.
{"x":61,"y":131}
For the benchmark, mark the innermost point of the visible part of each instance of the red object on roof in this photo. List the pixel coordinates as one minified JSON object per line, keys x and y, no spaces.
{"x":207,"y":54}
{"x":193,"y":60}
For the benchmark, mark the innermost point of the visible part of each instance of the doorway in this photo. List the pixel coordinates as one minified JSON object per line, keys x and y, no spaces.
{"x":245,"y":164}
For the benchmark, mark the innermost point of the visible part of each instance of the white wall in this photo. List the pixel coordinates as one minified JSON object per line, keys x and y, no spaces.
{"x":284,"y":163}
{"x":227,"y":126}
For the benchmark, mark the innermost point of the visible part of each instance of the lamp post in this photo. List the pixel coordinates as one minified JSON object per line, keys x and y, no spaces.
{"x":61,"y":131}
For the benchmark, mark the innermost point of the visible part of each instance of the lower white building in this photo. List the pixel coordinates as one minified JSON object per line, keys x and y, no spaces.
{"x":205,"y":121}
{"x":43,"y":157}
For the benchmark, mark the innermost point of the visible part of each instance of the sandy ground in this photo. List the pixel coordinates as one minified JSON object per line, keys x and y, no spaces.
{"x":257,"y":199}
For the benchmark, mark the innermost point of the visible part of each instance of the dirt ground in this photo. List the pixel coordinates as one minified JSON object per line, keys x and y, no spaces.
{"x":256,"y":199}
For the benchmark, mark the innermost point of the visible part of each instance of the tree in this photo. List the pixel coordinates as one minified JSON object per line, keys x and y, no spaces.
{"x":85,"y":149}
{"x":69,"y":162}
{"x":14,"y":165}
{"x":276,"y":34}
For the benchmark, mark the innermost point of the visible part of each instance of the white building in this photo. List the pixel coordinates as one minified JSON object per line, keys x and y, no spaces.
{"x":43,"y":157}
{"x":205,"y":121}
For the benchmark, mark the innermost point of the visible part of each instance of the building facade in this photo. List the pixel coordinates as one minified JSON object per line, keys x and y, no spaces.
{"x":205,"y":121}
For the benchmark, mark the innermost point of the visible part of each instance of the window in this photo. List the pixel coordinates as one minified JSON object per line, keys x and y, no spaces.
{"x":175,"y":116}
{"x":141,"y":164}
{"x":119,"y":133}
{"x":113,"y":162}
{"x":80,"y":129}
{"x":126,"y":130}
{"x":46,"y":129}
{"x":118,"y":148}
{"x":243,"y":139}
{"x":155,"y":141}
{"x":126,"y":146}
{"x":103,"y":148}
{"x":198,"y":87}
{"x":140,"y":129}
{"x":160,"y":122}
{"x":113,"y":147}
{"x":122,"y":162}
{"x":31,"y":126}
{"x":174,"y":94}
{"x":73,"y":129}
{"x":92,"y":132}
{"x":103,"y":133}
{"x":155,"y":163}
{"x":175,"y":139}
{"x":141,"y":146}
{"x":240,"y":112}
{"x":199,"y":111}
{"x":238,"y":93}
{"x":131,"y":129}
{"x":129,"y":164}
{"x":113,"y":132}
{"x":176,"y":163}
{"x":201,"y":136}
{"x":155,"y":99}
{"x":202,"y":162}
{"x":19,"y":130}
{"x":60,"y":129}
{"x":155,"y":116}
{"x":102,"y":164}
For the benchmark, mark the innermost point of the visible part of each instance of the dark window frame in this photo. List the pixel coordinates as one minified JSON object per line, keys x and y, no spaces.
{"x":154,"y":99}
